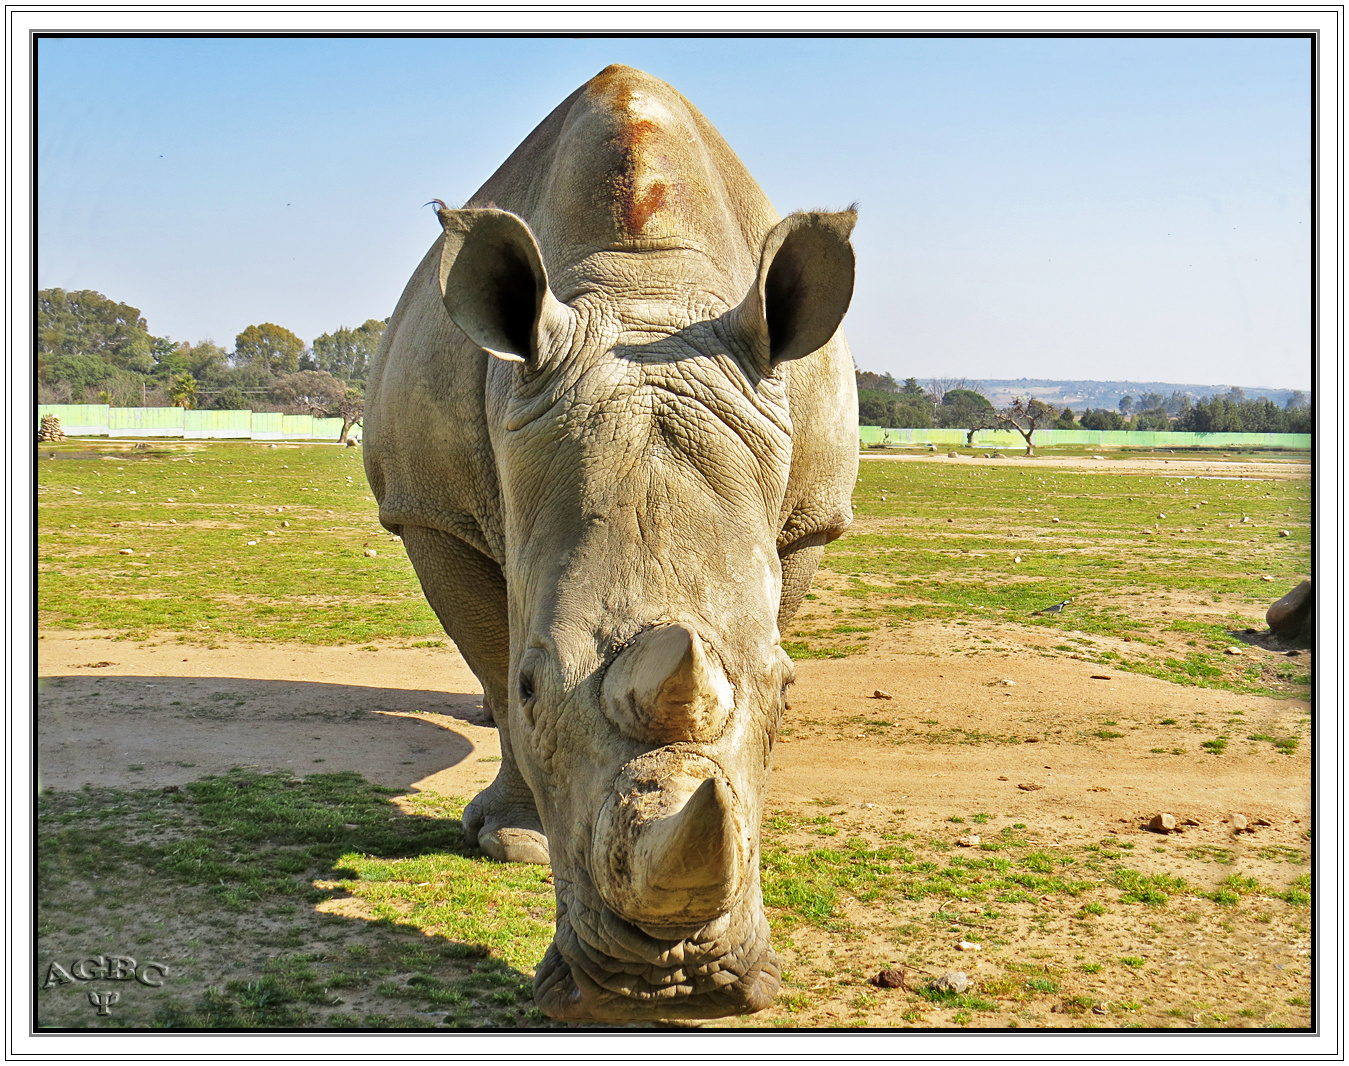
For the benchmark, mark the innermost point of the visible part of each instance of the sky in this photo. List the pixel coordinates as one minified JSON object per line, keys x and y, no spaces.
{"x":1101,"y":208}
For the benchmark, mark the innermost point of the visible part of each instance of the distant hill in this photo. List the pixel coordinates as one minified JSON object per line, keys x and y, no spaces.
{"x":1083,"y":394}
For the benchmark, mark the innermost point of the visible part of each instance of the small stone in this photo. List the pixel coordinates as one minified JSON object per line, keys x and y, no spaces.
{"x":350,"y":825}
{"x":1292,"y":654}
{"x":1161,"y":516}
{"x":1031,"y":740}
{"x":1265,"y":577}
{"x":1098,"y":788}
{"x":1053,"y":519}
{"x":1284,"y":533}
{"x":1007,"y":681}
{"x":950,"y":520}
{"x":951,"y":981}
{"x":969,"y":840}
{"x":969,"y":945}
{"x":1245,"y":519}
{"x":1233,"y":651}
{"x":251,"y":543}
{"x":1163,"y":823}
{"x":1189,"y":821}
{"x":1101,"y":1008}
{"x":881,"y":694}
{"x":1100,"y":677}
{"x":1262,"y":821}
{"x":286,"y":524}
{"x":1003,"y":777}
{"x":126,"y":551}
{"x":173,"y":521}
{"x":1238,"y":822}
{"x":952,"y":455}
{"x":1029,"y":786}
{"x":1098,"y":456}
{"x":1017,"y":559}
{"x":370,"y":553}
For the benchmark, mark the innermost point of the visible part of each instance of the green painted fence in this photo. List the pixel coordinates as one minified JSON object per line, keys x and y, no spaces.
{"x":1095,"y":438}
{"x":100,"y":420}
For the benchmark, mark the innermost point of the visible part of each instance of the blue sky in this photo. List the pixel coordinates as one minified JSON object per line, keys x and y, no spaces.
{"x":1069,"y":208}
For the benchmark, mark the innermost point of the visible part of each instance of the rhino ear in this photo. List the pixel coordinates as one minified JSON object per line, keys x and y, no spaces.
{"x":803,"y":288}
{"x":494,"y":284}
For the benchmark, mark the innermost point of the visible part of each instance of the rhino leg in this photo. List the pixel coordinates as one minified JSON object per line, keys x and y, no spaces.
{"x":468,"y":594}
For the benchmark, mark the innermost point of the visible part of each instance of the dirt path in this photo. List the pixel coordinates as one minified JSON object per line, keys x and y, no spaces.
{"x":1008,"y":736}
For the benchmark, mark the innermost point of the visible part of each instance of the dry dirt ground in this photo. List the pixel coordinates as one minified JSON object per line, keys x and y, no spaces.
{"x":169,"y":713}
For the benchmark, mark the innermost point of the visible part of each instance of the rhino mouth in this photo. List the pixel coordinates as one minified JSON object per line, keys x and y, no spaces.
{"x":601,"y":967}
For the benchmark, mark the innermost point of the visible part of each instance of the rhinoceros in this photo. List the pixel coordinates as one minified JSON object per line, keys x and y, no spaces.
{"x":614,"y":422}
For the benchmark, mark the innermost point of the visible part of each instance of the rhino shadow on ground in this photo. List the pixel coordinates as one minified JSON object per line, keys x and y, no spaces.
{"x":1269,"y":640}
{"x":138,"y":732}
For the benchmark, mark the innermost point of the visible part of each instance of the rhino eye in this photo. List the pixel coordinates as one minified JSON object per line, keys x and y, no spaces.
{"x":526,"y":688}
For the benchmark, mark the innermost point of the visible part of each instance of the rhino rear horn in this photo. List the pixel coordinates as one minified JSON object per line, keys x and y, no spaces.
{"x":803,"y":288}
{"x":494,"y":284}
{"x":665,"y":688}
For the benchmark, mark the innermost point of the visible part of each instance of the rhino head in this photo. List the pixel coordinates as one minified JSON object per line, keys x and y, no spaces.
{"x":614,"y":423}
{"x":643,"y":445}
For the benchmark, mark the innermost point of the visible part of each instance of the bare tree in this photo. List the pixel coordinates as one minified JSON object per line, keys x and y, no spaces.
{"x":1025,"y":417}
{"x":937,"y":388}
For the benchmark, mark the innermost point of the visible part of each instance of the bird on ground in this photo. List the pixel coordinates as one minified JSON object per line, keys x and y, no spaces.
{"x":1056,"y":608}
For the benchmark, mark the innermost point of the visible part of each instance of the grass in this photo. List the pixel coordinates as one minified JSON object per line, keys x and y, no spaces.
{"x":228,"y":541}
{"x":999,"y":559}
{"x":189,"y":511}
{"x":427,"y":932}
{"x":432,"y":934}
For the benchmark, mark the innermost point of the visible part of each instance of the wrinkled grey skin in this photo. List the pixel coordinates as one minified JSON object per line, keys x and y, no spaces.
{"x":615,"y":425}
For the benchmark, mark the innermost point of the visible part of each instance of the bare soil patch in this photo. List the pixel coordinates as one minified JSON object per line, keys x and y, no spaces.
{"x":999,"y":732}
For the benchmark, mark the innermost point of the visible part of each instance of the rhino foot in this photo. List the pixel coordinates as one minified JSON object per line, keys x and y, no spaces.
{"x":506,"y":833}
{"x":515,"y":845}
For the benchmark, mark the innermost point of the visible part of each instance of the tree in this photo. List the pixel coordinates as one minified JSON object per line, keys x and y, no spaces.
{"x":230,"y":399}
{"x":964,"y":409}
{"x":1026,"y":416}
{"x":76,"y":372}
{"x":1065,"y":419}
{"x":1101,"y":419}
{"x":270,"y":347}
{"x":308,"y":392}
{"x":183,"y":391}
{"x":937,"y":388}
{"x":347,"y":352}
{"x":867,"y":379}
{"x":1178,"y":402}
{"x":205,"y":359}
{"x":1150,"y":401}
{"x":88,"y":323}
{"x":912,"y":388}
{"x":1296,"y":400}
{"x":1126,"y":404}
{"x":1154,"y":419}
{"x":351,"y":409}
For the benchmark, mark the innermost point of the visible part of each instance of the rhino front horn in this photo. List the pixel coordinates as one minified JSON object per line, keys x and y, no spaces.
{"x":664,"y":688}
{"x":680,"y":869}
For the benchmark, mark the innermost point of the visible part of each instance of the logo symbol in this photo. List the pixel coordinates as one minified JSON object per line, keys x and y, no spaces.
{"x":106,"y":968}
{"x":104,"y":1000}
